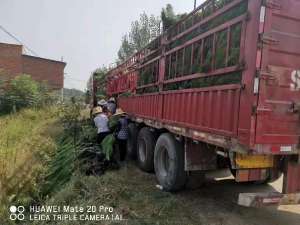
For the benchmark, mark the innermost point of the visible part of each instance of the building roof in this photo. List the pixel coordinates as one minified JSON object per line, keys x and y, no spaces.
{"x":52,"y":60}
{"x":17,"y":45}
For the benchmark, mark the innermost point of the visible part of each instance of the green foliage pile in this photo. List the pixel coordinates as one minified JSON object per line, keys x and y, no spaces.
{"x":109,"y":141}
{"x":126,"y":94}
{"x":63,"y":163}
{"x":230,"y":78}
{"x":62,"y":166}
{"x":148,"y":74}
{"x":151,"y":89}
{"x":77,"y":150}
{"x":228,"y":15}
{"x":108,"y":146}
{"x":209,"y":8}
{"x":182,"y":64}
{"x":207,"y":53}
{"x":221,"y":44}
{"x":113,"y":122}
{"x":169,"y":18}
{"x":178,"y":66}
{"x":235,"y":40}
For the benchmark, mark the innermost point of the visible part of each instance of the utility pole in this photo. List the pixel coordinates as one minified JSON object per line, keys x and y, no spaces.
{"x":62,"y":90}
{"x":62,"y":95}
{"x":195,"y":4}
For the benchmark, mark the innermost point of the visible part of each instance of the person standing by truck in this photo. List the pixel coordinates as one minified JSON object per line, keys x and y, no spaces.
{"x":103,"y":104}
{"x":122,"y":133}
{"x":101,"y":122}
{"x":111,"y":105}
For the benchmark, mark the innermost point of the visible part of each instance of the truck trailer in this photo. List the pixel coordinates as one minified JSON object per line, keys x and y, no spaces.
{"x":220,"y":88}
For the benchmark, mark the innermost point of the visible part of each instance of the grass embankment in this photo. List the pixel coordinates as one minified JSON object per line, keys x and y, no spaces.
{"x":27,"y":140}
{"x":130,"y":192}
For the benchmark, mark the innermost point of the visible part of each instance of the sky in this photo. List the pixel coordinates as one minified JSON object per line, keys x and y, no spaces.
{"x":85,"y":33}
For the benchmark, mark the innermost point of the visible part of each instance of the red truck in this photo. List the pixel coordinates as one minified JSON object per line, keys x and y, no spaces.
{"x":220,"y":88}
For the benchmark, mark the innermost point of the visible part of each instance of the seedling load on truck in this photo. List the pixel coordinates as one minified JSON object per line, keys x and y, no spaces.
{"x":219,"y":88}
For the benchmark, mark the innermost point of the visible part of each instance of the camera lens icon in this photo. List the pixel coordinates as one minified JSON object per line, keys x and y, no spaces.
{"x":16,"y":212}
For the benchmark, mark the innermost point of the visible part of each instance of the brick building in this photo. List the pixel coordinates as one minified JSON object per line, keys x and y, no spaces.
{"x":13,"y":62}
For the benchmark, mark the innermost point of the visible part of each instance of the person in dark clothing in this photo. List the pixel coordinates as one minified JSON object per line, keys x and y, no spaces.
{"x":103,"y":104}
{"x":111,"y":105}
{"x":122,"y":134}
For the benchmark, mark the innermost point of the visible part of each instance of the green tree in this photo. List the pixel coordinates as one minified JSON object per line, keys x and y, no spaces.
{"x":169,"y":18}
{"x":141,"y":33}
{"x":100,"y":77}
{"x":4,"y":78}
{"x":126,"y":48}
{"x":45,"y":95}
{"x":23,"y":92}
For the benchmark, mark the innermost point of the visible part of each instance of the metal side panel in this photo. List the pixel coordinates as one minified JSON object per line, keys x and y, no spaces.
{"x":279,"y":77}
{"x":213,"y":110}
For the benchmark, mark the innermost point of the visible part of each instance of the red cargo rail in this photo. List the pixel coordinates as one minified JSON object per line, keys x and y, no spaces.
{"x":228,"y":74}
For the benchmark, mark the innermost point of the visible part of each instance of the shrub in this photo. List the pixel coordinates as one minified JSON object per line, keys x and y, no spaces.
{"x":24,"y":92}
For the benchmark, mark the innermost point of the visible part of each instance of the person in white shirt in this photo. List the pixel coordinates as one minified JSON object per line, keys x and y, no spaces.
{"x":101,"y":122}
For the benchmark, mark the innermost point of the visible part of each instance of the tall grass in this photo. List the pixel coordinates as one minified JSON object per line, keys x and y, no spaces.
{"x":27,"y":140}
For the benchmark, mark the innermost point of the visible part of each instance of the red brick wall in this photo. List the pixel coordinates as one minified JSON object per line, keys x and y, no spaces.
{"x":44,"y":70}
{"x":11,"y":59}
{"x":13,"y":63}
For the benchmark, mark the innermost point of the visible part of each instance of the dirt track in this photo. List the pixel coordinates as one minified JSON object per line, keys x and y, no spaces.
{"x":215,"y":202}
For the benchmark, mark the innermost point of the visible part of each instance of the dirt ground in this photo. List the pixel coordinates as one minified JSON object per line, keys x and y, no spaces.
{"x":215,"y":203}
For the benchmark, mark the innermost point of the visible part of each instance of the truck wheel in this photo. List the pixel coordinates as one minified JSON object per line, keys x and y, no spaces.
{"x":169,"y":163}
{"x":145,"y":149}
{"x":132,"y":141}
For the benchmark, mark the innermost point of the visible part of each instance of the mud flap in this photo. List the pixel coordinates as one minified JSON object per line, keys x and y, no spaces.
{"x":291,"y":180}
{"x":268,"y":199}
{"x":246,"y":175}
{"x":199,"y":156}
{"x":291,"y":190}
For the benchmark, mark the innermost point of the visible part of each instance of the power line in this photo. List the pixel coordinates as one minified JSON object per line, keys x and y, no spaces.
{"x":16,"y":39}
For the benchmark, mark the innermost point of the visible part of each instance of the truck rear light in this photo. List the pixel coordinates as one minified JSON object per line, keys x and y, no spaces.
{"x":262,"y":19}
{"x":285,"y":148}
{"x":262,"y":14}
{"x":256,"y":85}
{"x":277,"y":149}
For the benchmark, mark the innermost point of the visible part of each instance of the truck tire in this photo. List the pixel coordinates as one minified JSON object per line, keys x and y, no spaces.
{"x":132,"y":141}
{"x":145,"y":149}
{"x":169,"y":163}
